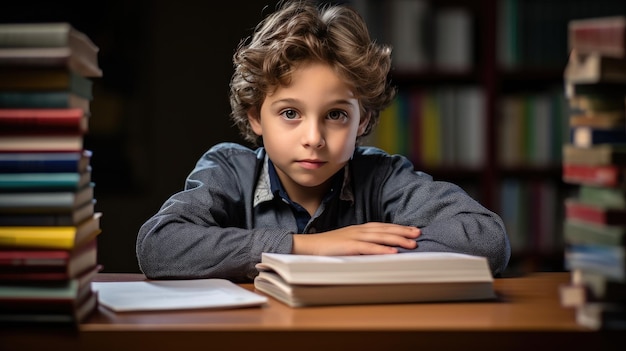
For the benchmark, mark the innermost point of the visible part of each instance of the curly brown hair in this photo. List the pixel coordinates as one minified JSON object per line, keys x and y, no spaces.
{"x":302,"y":31}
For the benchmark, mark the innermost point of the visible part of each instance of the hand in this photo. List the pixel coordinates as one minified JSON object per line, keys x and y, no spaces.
{"x":363,"y":239}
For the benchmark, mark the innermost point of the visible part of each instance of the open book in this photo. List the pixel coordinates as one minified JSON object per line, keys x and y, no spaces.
{"x":304,"y":280}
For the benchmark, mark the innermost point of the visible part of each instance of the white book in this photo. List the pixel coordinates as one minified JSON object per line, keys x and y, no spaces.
{"x":306,"y":280}
{"x":154,"y":295}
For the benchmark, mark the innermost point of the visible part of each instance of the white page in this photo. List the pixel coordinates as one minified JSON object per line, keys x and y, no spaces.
{"x":174,"y":295}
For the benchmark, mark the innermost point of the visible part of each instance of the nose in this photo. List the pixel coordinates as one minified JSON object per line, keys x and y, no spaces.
{"x":313,"y":134}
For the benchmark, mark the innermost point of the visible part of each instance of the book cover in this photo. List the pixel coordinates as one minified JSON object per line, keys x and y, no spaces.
{"x":44,"y":99}
{"x":68,"y":302}
{"x":604,"y":176}
{"x":42,"y":143}
{"x":80,"y":51}
{"x":70,"y":218}
{"x":303,"y":280}
{"x":51,"y":237}
{"x":43,"y":121}
{"x":607,"y":260}
{"x":45,"y":162}
{"x":585,"y":136}
{"x":20,"y":182}
{"x":46,"y":202}
{"x":14,"y":78}
{"x":605,"y":35}
{"x":596,"y":155}
{"x":604,"y":119}
{"x":589,"y":104}
{"x":602,"y":196}
{"x":46,"y":293}
{"x":25,"y":264}
{"x":611,"y":90}
{"x":584,"y":232}
{"x":598,"y":214}
{"x":594,"y":67}
{"x":66,"y":313}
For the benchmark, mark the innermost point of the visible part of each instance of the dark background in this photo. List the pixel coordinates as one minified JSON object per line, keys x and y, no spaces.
{"x":162,"y":100}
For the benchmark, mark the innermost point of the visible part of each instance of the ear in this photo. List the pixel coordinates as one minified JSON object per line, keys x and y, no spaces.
{"x":363,"y":123}
{"x":255,"y":121}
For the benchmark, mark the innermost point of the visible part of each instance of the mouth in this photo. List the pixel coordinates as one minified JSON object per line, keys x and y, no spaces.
{"x":310,"y":163}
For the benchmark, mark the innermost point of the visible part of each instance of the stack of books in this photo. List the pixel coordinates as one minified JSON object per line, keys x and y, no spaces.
{"x":594,"y":162}
{"x":48,"y":222}
{"x":309,"y":280}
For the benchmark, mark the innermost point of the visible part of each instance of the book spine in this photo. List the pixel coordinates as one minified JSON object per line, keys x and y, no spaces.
{"x":581,"y":232}
{"x":609,"y":175}
{"x":34,"y":35}
{"x":594,"y":214}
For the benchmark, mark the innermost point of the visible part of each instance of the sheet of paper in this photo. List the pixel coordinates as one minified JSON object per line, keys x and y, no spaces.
{"x":174,"y":295}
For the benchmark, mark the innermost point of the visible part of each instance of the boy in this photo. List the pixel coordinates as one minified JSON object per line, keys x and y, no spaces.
{"x":307,"y":86}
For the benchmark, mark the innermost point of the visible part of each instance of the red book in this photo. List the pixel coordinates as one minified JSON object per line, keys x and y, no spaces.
{"x":605,"y":35}
{"x":575,"y":209}
{"x":607,"y":175}
{"x":47,"y":265}
{"x":43,"y":121}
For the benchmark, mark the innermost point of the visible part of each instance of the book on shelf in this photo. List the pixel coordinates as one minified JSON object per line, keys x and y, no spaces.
{"x":612,"y":90}
{"x":596,"y":155}
{"x":18,"y":182}
{"x":605,"y":35}
{"x":307,"y":280}
{"x":604,"y":176}
{"x":69,"y":218}
{"x":44,"y":99}
{"x":43,"y":121}
{"x":41,"y":143}
{"x":592,"y":104}
{"x":46,"y":202}
{"x":48,"y":79}
{"x":42,"y":265}
{"x":51,"y":237}
{"x":594,"y":67}
{"x":45,"y":162}
{"x":603,"y":119}
{"x":585,"y":136}
{"x":577,"y":231}
{"x":594,"y":213}
{"x":67,"y":302}
{"x":49,"y":44}
{"x":602,"y":196}
{"x":608,"y":260}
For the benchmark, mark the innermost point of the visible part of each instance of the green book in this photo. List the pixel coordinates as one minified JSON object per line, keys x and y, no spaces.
{"x":584,"y":232}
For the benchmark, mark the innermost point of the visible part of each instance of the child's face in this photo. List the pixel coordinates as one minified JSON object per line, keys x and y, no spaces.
{"x":309,"y":128}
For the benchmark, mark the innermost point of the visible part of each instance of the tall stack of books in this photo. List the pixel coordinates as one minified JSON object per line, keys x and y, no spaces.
{"x":48,"y":223}
{"x":594,"y":162}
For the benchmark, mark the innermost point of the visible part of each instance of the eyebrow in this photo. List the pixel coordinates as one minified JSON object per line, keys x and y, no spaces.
{"x":295,"y":101}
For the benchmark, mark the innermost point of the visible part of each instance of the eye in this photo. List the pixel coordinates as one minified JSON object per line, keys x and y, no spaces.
{"x":338,"y":115}
{"x":289,"y":114}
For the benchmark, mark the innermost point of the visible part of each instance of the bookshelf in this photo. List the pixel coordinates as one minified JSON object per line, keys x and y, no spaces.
{"x":513,"y":53}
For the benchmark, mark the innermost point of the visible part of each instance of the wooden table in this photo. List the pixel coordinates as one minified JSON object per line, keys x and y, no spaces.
{"x":526,"y":316}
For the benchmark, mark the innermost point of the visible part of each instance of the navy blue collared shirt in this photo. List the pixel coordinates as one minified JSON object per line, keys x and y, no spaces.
{"x":302,"y":215}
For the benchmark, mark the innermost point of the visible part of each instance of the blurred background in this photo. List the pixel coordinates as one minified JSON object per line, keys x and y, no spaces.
{"x":470,"y":75}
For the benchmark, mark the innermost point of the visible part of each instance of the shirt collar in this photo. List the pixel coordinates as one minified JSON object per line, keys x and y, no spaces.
{"x":268,"y":185}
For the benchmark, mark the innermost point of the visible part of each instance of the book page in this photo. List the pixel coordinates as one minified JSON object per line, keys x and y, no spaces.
{"x":412,"y":256}
{"x":174,"y":295}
